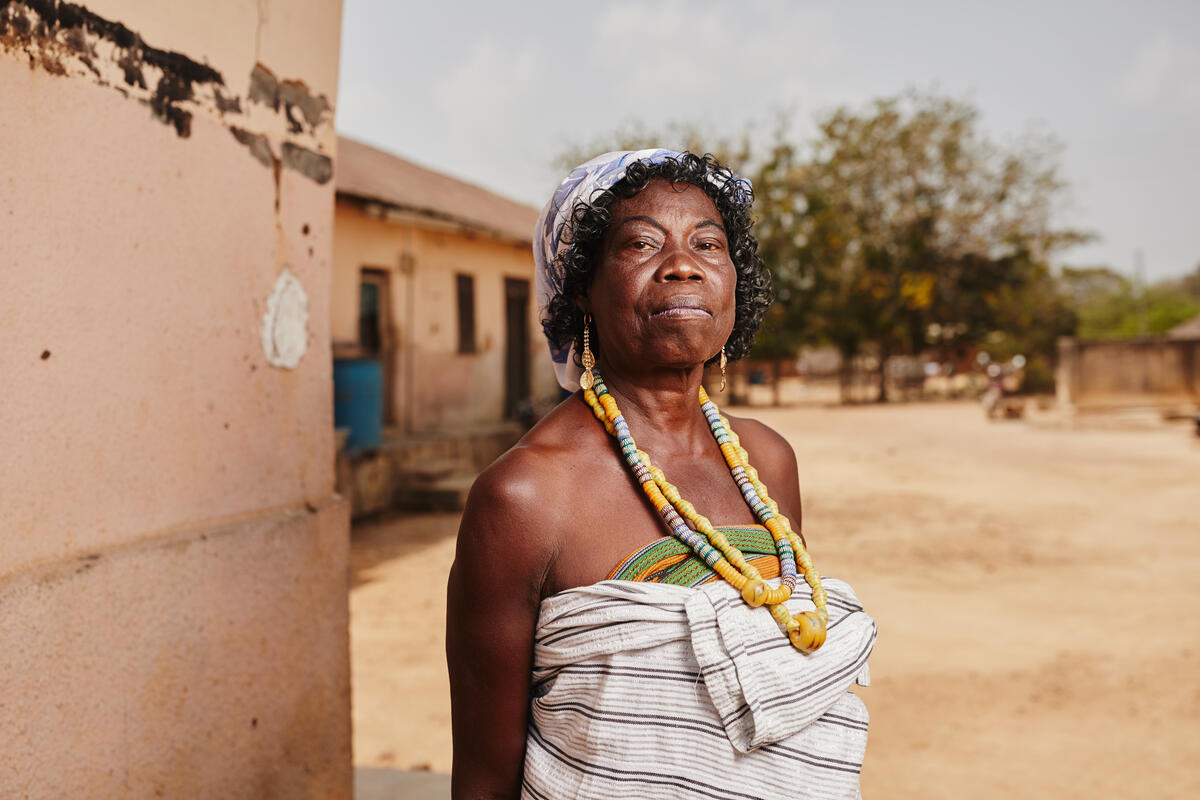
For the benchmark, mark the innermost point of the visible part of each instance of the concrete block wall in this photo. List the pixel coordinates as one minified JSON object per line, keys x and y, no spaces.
{"x":1150,"y":372}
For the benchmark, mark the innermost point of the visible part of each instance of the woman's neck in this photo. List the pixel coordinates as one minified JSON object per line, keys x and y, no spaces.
{"x":663,"y":409}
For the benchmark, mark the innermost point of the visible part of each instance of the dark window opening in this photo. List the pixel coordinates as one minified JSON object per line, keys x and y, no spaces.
{"x":466,"y":313}
{"x":376,"y":337}
{"x":516,"y":337}
{"x":370,"y":333}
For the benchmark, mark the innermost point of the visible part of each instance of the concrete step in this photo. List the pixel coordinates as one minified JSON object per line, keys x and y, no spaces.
{"x":429,"y":471}
{"x":445,"y":494}
{"x":420,"y":471}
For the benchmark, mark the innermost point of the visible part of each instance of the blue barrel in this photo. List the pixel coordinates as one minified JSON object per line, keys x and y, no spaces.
{"x":358,"y":401}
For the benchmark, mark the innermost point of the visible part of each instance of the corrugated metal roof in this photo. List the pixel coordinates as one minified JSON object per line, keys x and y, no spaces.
{"x":370,"y":174}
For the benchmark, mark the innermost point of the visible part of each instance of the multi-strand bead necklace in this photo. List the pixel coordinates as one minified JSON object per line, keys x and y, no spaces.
{"x":805,"y":631}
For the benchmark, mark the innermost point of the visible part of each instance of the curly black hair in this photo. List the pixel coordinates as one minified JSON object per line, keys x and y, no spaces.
{"x":590,"y":219}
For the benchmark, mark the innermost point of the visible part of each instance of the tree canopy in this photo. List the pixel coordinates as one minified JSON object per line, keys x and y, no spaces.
{"x":911,"y":230}
{"x":1110,"y":306}
{"x":901,"y":228}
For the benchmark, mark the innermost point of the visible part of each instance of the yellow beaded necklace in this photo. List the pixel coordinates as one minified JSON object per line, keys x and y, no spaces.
{"x":805,"y":631}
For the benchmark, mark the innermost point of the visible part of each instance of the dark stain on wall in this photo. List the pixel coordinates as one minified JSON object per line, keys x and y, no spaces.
{"x":304,"y":110}
{"x":227,"y":105}
{"x":170,"y":90}
{"x":256,"y":143}
{"x":264,"y":87}
{"x":53,"y":34}
{"x":70,"y":25}
{"x":307,"y":162}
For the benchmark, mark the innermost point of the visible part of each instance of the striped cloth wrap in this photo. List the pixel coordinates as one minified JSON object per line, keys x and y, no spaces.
{"x":649,"y":690}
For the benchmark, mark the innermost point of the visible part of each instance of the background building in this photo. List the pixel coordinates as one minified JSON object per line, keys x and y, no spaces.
{"x":433,"y":277}
{"x":440,"y":361}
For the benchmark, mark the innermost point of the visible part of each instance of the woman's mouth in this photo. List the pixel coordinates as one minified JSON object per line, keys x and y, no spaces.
{"x":683,"y":312}
{"x":683,"y":308}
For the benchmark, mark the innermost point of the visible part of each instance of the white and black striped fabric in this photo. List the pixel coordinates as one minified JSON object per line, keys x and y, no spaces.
{"x":648,"y":690}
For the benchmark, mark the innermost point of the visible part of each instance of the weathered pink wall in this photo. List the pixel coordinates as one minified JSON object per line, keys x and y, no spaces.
{"x":172,"y":555}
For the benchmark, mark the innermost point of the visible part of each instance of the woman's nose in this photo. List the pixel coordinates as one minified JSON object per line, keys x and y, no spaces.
{"x":679,"y":265}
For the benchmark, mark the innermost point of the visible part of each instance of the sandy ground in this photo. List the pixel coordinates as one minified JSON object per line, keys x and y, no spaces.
{"x":1036,"y":586}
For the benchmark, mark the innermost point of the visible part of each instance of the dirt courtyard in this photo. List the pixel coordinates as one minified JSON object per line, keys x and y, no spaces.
{"x":1036,"y":587}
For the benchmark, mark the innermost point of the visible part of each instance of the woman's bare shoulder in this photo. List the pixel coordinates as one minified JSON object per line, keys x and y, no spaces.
{"x":772,"y":455}
{"x":763,"y":442}
{"x":523,"y":501}
{"x":542,"y":461}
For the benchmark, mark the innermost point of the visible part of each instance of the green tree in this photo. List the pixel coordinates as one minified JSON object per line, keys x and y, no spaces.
{"x":1085,"y":285}
{"x":895,"y":229}
{"x":1190,"y":284}
{"x":1109,"y":306}
{"x":910,"y":218}
{"x":778,"y":176}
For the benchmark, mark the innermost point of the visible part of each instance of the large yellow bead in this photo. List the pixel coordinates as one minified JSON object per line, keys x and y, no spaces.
{"x":808,"y":633}
{"x":820,"y":640}
{"x":755,"y":593}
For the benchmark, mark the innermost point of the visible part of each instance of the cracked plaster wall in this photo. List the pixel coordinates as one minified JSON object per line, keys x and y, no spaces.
{"x":172,"y":555}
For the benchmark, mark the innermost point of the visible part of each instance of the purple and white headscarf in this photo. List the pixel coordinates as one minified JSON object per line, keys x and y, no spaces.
{"x":550,"y":235}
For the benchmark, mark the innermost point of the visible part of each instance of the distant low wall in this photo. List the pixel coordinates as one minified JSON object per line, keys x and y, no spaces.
{"x":1121,"y":374}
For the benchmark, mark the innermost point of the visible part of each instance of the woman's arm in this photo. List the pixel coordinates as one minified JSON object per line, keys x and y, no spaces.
{"x":493,"y":597}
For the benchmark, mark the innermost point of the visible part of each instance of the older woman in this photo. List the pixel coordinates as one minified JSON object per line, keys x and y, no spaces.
{"x":604,"y":637}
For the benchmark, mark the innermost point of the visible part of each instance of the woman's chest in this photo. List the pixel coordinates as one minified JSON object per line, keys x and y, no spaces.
{"x":612,"y":516}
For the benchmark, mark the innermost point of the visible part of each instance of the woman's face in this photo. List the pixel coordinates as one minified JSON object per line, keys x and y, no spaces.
{"x":662,"y":294}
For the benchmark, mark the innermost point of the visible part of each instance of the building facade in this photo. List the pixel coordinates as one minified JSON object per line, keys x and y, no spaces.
{"x":433,"y":279}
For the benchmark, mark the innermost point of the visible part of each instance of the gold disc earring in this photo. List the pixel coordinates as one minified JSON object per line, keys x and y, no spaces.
{"x":587,"y":379}
{"x":724,"y":361}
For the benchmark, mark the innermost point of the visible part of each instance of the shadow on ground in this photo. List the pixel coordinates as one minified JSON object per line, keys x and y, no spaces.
{"x":379,"y":783}
{"x":386,"y":537}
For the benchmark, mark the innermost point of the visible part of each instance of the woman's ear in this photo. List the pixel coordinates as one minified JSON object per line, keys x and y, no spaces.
{"x":583,"y":303}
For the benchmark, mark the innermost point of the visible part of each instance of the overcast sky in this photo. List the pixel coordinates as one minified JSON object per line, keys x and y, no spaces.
{"x":492,"y":92}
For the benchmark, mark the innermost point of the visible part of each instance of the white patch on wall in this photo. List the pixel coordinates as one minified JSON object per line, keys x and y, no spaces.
{"x":285,"y":325}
